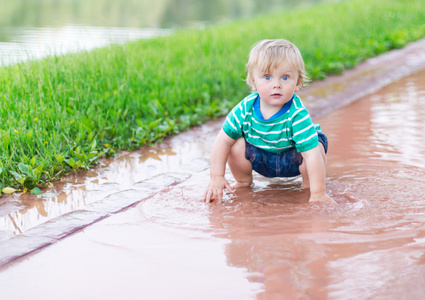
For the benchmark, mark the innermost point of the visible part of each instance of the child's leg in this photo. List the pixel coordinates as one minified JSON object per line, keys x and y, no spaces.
{"x":303,"y":168}
{"x":241,"y":167}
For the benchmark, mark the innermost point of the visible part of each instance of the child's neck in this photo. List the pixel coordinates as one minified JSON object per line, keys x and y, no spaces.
{"x":268,"y":111}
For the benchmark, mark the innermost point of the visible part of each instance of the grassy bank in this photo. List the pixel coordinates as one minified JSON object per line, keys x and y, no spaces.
{"x":64,"y":113}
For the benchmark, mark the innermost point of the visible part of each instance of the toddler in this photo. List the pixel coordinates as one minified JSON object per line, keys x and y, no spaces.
{"x":270,"y":131}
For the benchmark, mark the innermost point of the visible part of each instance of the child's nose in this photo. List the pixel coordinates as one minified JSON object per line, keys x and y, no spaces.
{"x":276,"y":83}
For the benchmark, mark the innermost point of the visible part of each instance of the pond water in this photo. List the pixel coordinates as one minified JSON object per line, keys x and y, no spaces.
{"x":31,"y":29}
{"x":266,"y":242}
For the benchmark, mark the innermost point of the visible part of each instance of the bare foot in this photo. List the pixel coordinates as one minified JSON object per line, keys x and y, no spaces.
{"x":305,"y":186}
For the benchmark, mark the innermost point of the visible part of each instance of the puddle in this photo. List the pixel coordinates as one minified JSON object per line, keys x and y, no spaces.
{"x":357,"y":249}
{"x":266,"y":242}
{"x":18,"y":212}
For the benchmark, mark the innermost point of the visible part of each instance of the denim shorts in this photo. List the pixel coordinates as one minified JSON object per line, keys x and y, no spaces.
{"x":283,"y":164}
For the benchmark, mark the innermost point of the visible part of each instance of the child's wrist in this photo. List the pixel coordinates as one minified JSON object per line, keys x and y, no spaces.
{"x":216,"y":176}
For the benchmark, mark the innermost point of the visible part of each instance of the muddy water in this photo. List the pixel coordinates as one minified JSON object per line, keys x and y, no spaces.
{"x":266,"y":242}
{"x":20,"y":212}
{"x":371,"y":246}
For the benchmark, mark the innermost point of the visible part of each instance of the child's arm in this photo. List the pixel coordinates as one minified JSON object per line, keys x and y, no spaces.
{"x":316,"y":170}
{"x":219,"y":155}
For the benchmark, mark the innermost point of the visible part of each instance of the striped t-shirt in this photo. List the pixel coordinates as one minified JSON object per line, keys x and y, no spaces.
{"x":288,"y":128}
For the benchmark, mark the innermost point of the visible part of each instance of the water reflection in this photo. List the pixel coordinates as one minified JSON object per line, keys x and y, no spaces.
{"x":135,"y":13}
{"x":398,"y":122}
{"x":35,"y":43}
{"x":112,"y":176}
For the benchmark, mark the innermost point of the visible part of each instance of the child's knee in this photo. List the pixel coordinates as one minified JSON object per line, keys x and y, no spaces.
{"x":303,"y":168}
{"x":238,"y":148}
{"x":323,"y":153}
{"x":237,"y":159}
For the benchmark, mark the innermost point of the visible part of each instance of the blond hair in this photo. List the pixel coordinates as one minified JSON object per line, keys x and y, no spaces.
{"x":266,"y":55}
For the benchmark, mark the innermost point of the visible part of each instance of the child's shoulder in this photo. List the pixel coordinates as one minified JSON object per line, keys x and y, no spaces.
{"x":297,"y":100}
{"x":297,"y":104}
{"x":247,"y":103}
{"x":298,"y":113}
{"x":251,"y":98}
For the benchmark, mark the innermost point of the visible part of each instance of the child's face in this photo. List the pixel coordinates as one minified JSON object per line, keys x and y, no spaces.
{"x":275,"y":87}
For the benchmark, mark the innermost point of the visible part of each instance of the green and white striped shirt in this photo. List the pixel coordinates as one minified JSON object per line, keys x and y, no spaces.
{"x":290,"y":127}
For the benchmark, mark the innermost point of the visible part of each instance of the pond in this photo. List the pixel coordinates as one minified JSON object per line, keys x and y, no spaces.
{"x":35,"y":28}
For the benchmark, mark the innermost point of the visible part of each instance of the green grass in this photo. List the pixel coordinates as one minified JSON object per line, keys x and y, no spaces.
{"x":62,"y":114}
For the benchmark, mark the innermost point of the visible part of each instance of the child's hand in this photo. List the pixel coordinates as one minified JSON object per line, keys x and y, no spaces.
{"x":215,"y":189}
{"x":324,"y":198}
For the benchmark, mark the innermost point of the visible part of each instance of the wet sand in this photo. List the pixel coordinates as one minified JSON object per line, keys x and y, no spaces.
{"x":266,"y":242}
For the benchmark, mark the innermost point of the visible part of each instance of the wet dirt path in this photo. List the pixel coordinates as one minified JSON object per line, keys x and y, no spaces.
{"x":265,"y":243}
{"x":19,"y":213}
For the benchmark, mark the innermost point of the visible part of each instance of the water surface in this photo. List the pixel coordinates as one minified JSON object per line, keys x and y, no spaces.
{"x":266,"y":242}
{"x":32,"y":29}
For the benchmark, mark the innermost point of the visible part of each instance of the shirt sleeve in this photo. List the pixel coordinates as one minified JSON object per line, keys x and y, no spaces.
{"x":232,"y":126}
{"x":304,"y":133}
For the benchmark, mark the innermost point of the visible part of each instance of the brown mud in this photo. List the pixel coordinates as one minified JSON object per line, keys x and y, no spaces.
{"x":266,"y":242}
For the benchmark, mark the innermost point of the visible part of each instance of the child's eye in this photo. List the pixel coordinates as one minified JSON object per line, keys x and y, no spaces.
{"x":267,"y":77}
{"x":285,"y":78}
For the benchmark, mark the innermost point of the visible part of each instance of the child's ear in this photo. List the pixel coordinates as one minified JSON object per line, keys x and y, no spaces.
{"x":299,"y":84}
{"x":253,"y":87}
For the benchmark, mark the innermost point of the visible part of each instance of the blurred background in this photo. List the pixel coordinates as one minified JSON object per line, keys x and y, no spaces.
{"x":36,"y":28}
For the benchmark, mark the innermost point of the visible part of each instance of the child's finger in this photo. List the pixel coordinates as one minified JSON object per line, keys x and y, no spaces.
{"x":208,"y":195}
{"x":219,"y":196}
{"x":205,"y":194}
{"x":230,"y":188}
